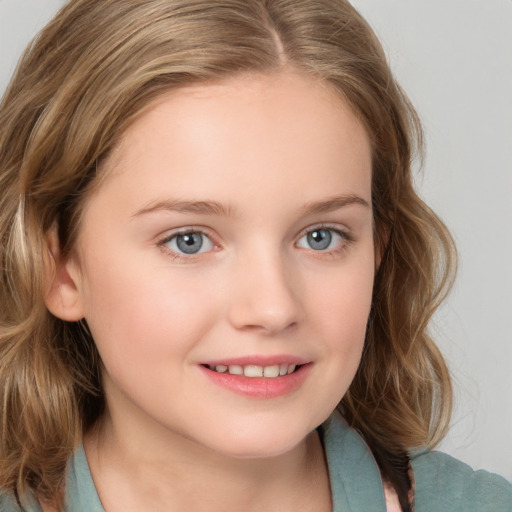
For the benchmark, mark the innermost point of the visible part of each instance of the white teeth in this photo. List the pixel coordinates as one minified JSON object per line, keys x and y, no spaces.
{"x":234,"y":369}
{"x":251,"y":370}
{"x":271,"y":371}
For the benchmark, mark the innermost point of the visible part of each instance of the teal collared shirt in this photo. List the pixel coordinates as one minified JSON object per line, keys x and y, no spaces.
{"x":443,"y":484}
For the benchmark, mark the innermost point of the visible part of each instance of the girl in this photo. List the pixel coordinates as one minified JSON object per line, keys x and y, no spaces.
{"x":216,"y":277}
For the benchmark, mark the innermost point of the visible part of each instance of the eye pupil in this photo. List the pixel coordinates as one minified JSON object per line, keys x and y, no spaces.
{"x":319,"y":239}
{"x":189,"y":243}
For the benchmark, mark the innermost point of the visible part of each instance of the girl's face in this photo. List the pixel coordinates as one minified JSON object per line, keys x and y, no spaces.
{"x":233,"y":234}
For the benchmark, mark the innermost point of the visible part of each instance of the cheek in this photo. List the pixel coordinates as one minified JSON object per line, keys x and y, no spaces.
{"x":149,"y":315}
{"x":341,"y":309}
{"x":344,"y":301}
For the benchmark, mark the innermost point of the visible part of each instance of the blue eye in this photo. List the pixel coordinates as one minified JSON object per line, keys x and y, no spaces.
{"x":191,"y":242}
{"x":320,"y":239}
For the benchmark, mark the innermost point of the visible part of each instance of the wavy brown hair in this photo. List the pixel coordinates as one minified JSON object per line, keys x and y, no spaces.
{"x":101,"y":63}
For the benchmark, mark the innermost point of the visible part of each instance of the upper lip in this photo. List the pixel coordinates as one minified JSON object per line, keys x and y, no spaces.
{"x":258,"y":360}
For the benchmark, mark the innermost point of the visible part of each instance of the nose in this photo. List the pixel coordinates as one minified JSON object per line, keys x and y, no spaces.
{"x":265,"y":295}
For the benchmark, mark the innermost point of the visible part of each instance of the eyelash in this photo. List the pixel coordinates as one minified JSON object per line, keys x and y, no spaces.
{"x":177,"y":256}
{"x":347,"y":240}
{"x":346,"y":237}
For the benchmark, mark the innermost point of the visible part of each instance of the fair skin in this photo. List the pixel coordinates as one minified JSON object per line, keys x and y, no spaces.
{"x":266,"y":182}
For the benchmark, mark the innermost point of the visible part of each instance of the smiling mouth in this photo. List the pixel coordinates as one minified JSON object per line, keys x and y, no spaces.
{"x":254,"y":371}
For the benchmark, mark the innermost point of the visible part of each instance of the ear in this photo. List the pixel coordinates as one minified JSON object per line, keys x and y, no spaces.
{"x":62,"y":297}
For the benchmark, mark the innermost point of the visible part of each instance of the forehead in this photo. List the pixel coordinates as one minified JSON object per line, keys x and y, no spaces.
{"x":289,"y":99}
{"x":284,"y":130}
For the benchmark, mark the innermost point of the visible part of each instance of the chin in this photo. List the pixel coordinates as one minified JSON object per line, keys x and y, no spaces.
{"x":259,"y":440}
{"x":262,"y":449}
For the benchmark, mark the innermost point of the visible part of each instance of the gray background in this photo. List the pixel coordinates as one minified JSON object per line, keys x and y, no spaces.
{"x":454,"y":58}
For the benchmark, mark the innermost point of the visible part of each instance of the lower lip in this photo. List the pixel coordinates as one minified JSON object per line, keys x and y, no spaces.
{"x":260,"y":387}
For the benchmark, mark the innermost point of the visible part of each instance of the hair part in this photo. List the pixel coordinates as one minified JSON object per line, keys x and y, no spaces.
{"x":83,"y":80}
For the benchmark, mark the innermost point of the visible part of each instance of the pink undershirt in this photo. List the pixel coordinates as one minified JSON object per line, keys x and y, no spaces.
{"x":392,"y":503}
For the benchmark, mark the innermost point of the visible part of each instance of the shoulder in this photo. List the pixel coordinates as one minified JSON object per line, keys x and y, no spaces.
{"x":9,"y":504}
{"x":445,"y":483}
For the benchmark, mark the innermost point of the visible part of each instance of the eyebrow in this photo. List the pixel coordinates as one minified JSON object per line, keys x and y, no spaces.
{"x":333,"y":204}
{"x":219,"y":209}
{"x":177,"y":205}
